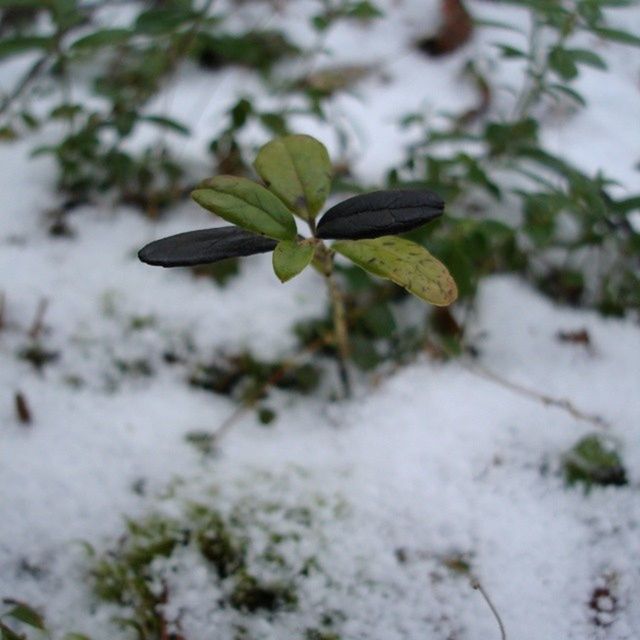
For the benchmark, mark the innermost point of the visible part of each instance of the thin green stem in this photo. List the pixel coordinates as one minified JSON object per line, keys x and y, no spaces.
{"x":539,"y":62}
{"x":341,"y":333}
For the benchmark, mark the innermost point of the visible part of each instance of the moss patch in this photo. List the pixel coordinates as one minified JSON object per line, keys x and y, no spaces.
{"x":250,"y":555}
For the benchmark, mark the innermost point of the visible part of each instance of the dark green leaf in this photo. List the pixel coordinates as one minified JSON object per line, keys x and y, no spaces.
{"x":21,"y":44}
{"x":562,"y":62}
{"x":204,"y":246}
{"x":7,"y":634}
{"x":563,"y":89}
{"x":405,"y":263}
{"x":290,"y":257}
{"x":247,"y":204}
{"x":618,"y":36}
{"x":163,"y":20}
{"x":379,"y":321}
{"x":507,"y":51}
{"x":503,"y":137}
{"x":298,"y":170}
{"x":275,"y":122}
{"x":241,"y":112}
{"x":584,"y":56}
{"x":496,"y":24}
{"x":546,"y":159}
{"x":24,"y":613}
{"x":628,"y":204}
{"x":594,"y":461}
{"x":21,"y":4}
{"x":380,"y":213}
{"x":102,"y":38}
{"x":364,"y":10}
{"x":167,"y":123}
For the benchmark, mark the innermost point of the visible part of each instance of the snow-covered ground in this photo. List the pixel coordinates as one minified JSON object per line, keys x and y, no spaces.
{"x":432,"y":464}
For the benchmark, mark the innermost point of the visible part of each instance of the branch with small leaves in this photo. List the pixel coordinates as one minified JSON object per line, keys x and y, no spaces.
{"x":296,"y":171}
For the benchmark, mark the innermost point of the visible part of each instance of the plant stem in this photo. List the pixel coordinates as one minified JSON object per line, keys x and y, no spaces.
{"x":475,"y":584}
{"x":339,"y":323}
{"x":539,"y":63}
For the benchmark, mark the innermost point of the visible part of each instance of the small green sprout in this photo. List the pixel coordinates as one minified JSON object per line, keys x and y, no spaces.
{"x":594,"y":461}
{"x":296,"y":172}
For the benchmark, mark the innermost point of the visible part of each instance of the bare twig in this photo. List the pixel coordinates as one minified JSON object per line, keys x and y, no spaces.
{"x":32,"y":74}
{"x":251,"y":402}
{"x":22,"y":408}
{"x":475,"y":583}
{"x":560,"y":403}
{"x":37,"y":325}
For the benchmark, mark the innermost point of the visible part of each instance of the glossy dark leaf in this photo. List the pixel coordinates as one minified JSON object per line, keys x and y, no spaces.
{"x":204,"y":246}
{"x":380,"y":213}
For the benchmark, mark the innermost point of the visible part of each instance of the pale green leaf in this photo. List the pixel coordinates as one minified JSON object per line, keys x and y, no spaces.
{"x":405,"y":263}
{"x":298,"y":170}
{"x":290,"y":257}
{"x":246,"y":204}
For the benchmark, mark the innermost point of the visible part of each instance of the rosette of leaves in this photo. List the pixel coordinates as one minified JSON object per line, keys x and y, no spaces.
{"x":296,"y":172}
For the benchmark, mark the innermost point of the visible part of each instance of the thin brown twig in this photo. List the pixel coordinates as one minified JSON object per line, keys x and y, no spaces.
{"x":307,"y":350}
{"x":277,"y":375}
{"x":475,"y":583}
{"x":23,"y":411}
{"x":24,"y":83}
{"x":559,"y":403}
{"x":37,"y":325}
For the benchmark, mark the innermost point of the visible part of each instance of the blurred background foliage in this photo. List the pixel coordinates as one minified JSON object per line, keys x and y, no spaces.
{"x":92,"y":74}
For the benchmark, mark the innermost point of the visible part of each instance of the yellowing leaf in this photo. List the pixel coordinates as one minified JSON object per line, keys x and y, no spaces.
{"x":290,"y":257}
{"x":298,"y":170}
{"x":405,"y":263}
{"x":246,"y":204}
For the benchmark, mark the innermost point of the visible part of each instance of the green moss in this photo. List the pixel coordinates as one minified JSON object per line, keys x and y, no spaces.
{"x":249,"y":594}
{"x":243,"y":376}
{"x":315,"y":634}
{"x":251,"y":549}
{"x":217,"y":544}
{"x":220,"y":272}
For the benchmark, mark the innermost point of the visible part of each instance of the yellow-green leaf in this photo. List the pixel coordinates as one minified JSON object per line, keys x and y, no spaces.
{"x":246,"y":204}
{"x":298,"y":170}
{"x":290,"y":257}
{"x":405,"y":263}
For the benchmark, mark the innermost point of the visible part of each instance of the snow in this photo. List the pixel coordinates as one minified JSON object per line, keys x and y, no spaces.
{"x":429,"y":463}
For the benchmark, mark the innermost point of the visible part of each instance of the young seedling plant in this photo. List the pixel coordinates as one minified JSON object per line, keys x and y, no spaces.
{"x":296,"y":171}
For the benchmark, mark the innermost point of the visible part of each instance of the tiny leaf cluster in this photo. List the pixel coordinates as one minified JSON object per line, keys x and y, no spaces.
{"x":296,"y":171}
